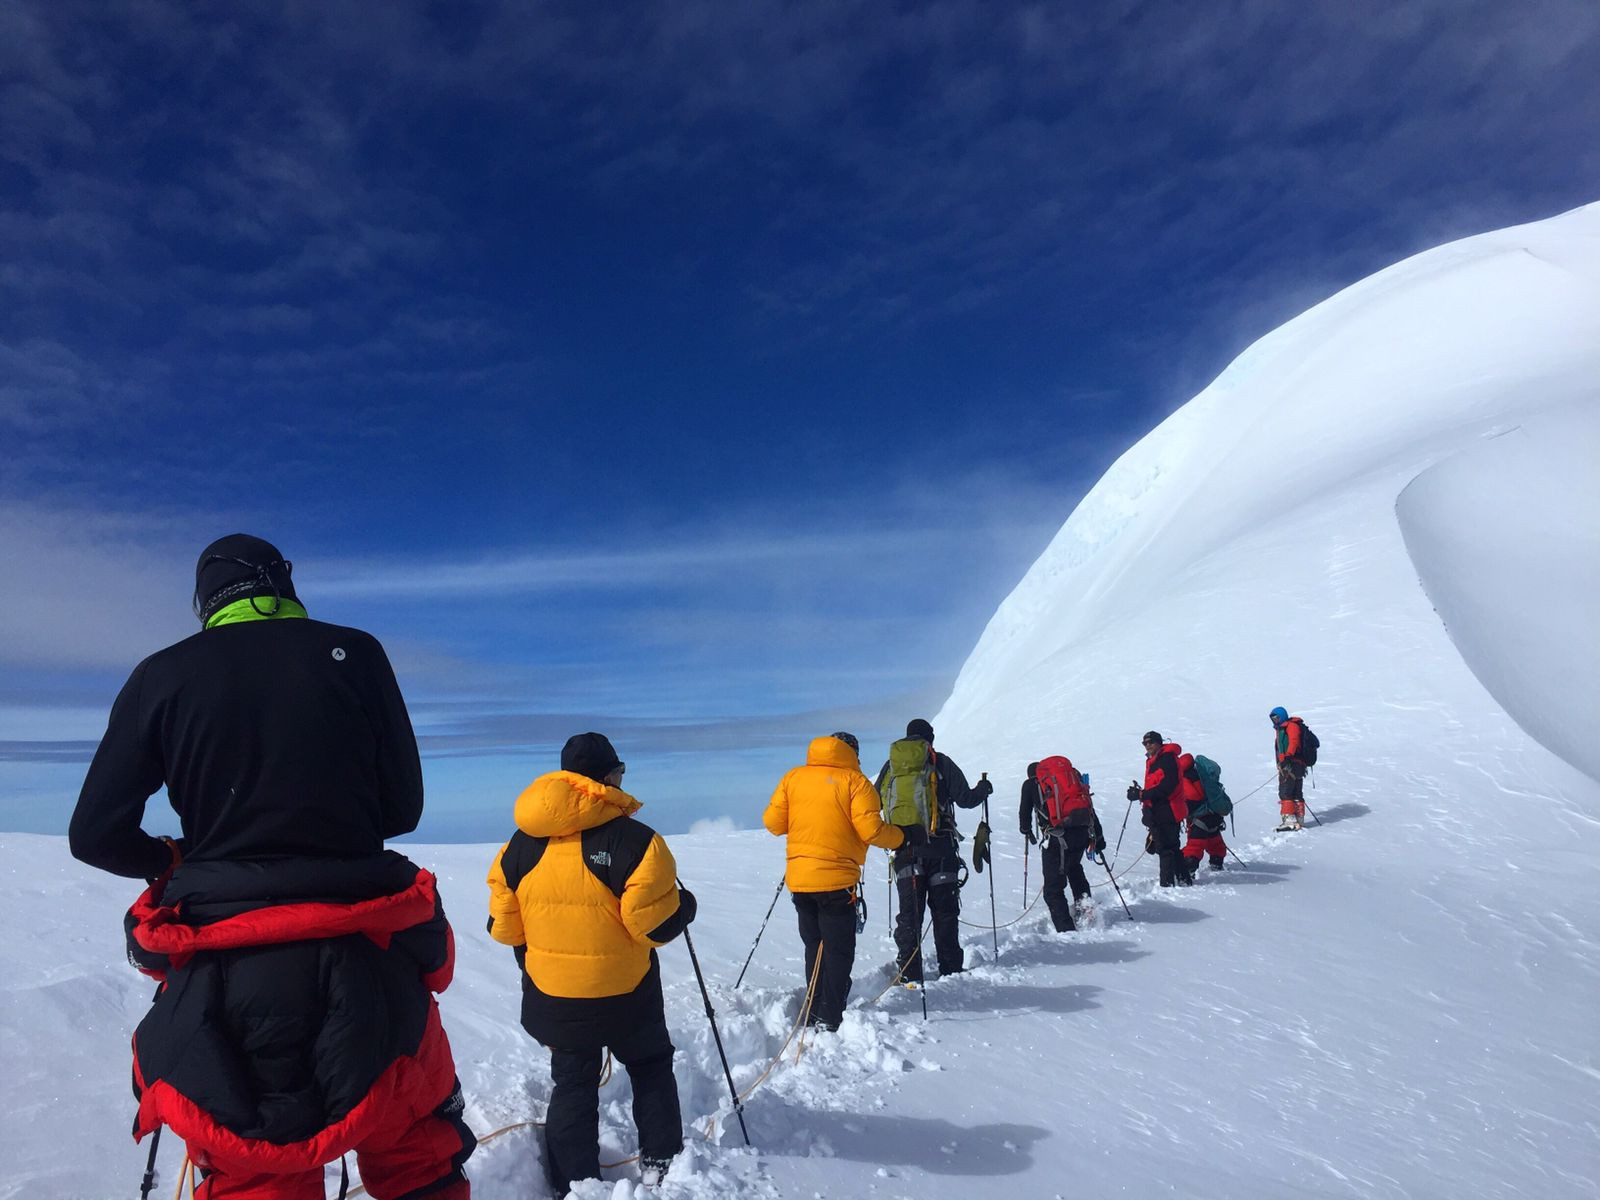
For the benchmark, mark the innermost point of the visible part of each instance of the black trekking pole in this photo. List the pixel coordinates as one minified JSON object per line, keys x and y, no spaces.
{"x":1117,"y":853}
{"x":759,"y":932}
{"x":1310,"y":810}
{"x":1113,"y":880}
{"x":1027,"y":844}
{"x":738,"y":1104}
{"x":994,"y":921}
{"x":1235,"y":853}
{"x":149,"y":1181}
{"x":922,"y":966}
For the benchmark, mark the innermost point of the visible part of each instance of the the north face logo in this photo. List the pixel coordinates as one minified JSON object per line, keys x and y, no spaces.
{"x":601,"y":858}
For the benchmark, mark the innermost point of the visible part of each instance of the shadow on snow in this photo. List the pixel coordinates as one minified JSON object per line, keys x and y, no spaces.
{"x":929,"y":1144}
{"x":1342,"y":812}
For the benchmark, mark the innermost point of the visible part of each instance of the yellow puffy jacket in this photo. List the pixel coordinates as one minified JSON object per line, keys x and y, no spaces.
{"x":831,"y":814}
{"x":586,"y":888}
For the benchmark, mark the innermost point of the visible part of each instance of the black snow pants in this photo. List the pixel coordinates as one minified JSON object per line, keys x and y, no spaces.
{"x":828,"y":922}
{"x":928,"y":879}
{"x":1061,"y":857}
{"x":1165,"y":839}
{"x":572,"y":1125}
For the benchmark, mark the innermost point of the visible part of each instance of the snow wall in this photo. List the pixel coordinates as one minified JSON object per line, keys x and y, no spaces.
{"x":1248,"y":552}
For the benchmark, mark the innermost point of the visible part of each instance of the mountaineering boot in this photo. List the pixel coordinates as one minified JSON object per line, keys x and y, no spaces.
{"x":1216,"y":863}
{"x":1285,"y":825}
{"x":653,"y":1170}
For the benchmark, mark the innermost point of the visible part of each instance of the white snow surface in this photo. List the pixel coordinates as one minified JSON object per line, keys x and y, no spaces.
{"x":1396,"y":1003}
{"x":1506,"y":538}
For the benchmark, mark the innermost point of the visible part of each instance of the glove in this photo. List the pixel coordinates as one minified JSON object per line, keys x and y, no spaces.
{"x":1135,"y":792}
{"x":980,"y":847}
{"x":1033,"y":838}
{"x":984,"y":790}
{"x":1100,"y":845}
{"x":916,"y":835}
{"x":687,"y":905}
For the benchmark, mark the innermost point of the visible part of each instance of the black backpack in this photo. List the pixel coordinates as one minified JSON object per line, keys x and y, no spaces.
{"x":1309,"y":742}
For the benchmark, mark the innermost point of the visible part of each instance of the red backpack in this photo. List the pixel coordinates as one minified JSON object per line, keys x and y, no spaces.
{"x":1062,"y":796}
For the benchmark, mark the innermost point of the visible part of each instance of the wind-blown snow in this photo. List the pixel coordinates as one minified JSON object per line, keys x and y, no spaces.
{"x":1506,"y":538}
{"x":1398,"y":1003}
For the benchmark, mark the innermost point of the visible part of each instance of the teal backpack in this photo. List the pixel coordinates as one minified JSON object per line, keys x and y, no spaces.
{"x":1217,"y":800}
{"x":910,"y":788}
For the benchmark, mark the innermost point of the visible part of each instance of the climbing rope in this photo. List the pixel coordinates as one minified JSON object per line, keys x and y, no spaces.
{"x":901,"y":972}
{"x":1008,"y":924}
{"x":186,"y":1173}
{"x":1119,"y":876}
{"x":800,"y":1022}
{"x":711,"y":1127}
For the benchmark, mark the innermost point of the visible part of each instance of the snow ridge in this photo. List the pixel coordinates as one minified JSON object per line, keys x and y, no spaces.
{"x":1381,"y":516}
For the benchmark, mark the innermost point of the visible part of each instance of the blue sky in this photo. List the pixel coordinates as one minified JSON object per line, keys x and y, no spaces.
{"x":704,"y":373}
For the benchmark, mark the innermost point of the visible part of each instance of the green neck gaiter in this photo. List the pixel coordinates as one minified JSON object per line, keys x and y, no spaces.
{"x":246,"y":610}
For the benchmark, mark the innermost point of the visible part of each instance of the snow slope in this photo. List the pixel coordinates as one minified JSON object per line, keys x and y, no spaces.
{"x":1397,"y":1003}
{"x":1506,"y":538}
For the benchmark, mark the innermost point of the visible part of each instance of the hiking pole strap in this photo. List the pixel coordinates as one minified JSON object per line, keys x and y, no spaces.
{"x":759,"y":932}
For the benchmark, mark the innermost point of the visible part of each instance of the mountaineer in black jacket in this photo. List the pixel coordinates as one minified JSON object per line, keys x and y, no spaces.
{"x":921,"y":789}
{"x":295,"y":1022}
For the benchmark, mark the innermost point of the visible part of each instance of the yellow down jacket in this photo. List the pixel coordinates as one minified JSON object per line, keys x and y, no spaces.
{"x":831,"y":814}
{"x":584,"y":887}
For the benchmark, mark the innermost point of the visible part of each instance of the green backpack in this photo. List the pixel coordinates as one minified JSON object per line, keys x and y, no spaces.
{"x":1217,"y":800}
{"x":910,"y":787}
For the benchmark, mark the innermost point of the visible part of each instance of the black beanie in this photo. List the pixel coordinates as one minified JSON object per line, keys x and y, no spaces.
{"x":849,"y":739}
{"x":235,"y":567}
{"x":1033,"y":770}
{"x":920,"y":729}
{"x":589,"y":754}
{"x":1153,"y":736}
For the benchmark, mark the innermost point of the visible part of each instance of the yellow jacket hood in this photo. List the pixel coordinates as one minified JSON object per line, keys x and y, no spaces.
{"x":830,"y":813}
{"x":831,"y":752}
{"x":563,"y":803}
